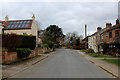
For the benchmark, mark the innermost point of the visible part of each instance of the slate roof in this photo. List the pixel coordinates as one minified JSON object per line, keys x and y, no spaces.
{"x":17,"y":24}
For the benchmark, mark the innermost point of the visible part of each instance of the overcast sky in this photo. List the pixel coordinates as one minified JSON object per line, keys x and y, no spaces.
{"x":70,"y":16}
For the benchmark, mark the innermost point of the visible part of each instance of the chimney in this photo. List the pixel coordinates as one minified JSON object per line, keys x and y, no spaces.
{"x":99,"y":28}
{"x":6,"y":18}
{"x":117,"y":21}
{"x":108,"y":25}
{"x":33,"y":17}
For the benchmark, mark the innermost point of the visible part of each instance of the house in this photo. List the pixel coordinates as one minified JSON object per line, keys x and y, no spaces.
{"x":94,"y":39}
{"x":21,"y":27}
{"x":111,"y":36}
{"x":28,"y":27}
{"x":84,"y":43}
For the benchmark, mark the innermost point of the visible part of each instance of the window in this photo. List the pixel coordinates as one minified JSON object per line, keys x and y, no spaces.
{"x":105,"y":35}
{"x":110,"y":34}
{"x":116,"y":33}
{"x":101,"y":36}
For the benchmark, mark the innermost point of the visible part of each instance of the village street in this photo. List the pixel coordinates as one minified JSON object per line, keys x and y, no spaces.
{"x":65,"y":63}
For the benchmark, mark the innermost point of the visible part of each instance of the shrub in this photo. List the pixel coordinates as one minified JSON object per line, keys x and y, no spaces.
{"x":104,"y":47}
{"x":4,"y":49}
{"x":11,"y":41}
{"x":23,"y":52}
{"x":28,"y":41}
{"x":46,"y":45}
{"x":89,"y":51}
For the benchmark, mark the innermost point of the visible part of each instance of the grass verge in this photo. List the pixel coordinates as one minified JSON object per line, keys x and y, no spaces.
{"x":96,"y":55}
{"x":113,"y":61}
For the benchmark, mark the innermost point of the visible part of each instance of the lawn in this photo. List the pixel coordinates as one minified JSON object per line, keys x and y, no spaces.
{"x":97,"y":55}
{"x":114,"y":61}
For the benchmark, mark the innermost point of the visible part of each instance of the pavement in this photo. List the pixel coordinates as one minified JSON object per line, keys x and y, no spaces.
{"x":12,"y":69}
{"x":65,"y":63}
{"x":110,"y":68}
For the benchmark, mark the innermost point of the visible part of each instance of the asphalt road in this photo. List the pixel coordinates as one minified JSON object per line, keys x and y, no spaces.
{"x":65,"y":63}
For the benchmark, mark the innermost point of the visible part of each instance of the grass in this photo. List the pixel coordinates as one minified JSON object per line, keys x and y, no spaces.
{"x":114,"y":61}
{"x":96,"y":55}
{"x":83,"y":50}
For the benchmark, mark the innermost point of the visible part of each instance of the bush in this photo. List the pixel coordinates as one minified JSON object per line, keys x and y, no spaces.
{"x":46,"y":45}
{"x":11,"y":41}
{"x":89,"y":51}
{"x":28,"y":41}
{"x":23,"y":52}
{"x":104,"y":47}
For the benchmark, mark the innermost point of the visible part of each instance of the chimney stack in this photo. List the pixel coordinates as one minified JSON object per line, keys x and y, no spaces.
{"x":6,"y":18}
{"x":33,"y":17}
{"x":108,"y":25}
{"x":99,"y":28}
{"x":117,"y":21}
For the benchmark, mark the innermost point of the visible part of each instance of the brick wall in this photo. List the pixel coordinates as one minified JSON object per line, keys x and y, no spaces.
{"x":11,"y":57}
{"x":109,"y":40}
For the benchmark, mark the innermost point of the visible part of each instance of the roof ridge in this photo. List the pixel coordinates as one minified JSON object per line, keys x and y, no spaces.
{"x":19,"y":20}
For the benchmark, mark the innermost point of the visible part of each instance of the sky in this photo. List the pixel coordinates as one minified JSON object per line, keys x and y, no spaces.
{"x":70,"y":16}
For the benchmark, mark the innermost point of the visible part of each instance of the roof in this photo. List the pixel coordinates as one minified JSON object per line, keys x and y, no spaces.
{"x":85,"y":38}
{"x":17,"y":24}
{"x":112,"y":28}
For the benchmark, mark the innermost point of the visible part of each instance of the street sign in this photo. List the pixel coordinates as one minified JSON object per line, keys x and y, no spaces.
{"x":70,"y":41}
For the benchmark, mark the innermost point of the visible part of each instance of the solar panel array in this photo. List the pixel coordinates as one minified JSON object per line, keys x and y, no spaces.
{"x":18,"y":24}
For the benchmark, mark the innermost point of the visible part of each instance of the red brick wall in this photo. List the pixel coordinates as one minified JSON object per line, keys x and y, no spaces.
{"x":11,"y":57}
{"x":108,"y":40}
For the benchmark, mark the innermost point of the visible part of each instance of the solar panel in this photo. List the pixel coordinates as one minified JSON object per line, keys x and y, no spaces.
{"x":21,"y":21}
{"x":19,"y":25}
{"x":8,"y":26}
{"x":22,"y":26}
{"x":14,"y":22}
{"x":11,"y":22}
{"x":15,"y":26}
{"x":12,"y":26}
{"x":28,"y":21}
{"x":25,"y":21}
{"x":26,"y":25}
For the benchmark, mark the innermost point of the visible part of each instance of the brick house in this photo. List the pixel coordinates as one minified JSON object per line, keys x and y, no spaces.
{"x":111,"y":36}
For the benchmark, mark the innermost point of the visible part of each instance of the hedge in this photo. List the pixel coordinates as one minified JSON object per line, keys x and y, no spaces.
{"x":28,"y":41}
{"x":23,"y":52}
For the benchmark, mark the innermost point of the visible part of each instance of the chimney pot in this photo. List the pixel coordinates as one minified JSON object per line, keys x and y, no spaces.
{"x":117,"y":21}
{"x":99,"y":28}
{"x":108,"y":25}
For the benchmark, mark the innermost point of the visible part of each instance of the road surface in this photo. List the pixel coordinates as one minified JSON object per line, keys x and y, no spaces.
{"x":65,"y":63}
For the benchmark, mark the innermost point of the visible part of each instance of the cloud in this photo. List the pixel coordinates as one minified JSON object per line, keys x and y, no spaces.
{"x":69,"y":16}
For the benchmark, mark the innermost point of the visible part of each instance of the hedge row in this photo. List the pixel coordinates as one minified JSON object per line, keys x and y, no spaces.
{"x":13,"y":41}
{"x":28,"y":41}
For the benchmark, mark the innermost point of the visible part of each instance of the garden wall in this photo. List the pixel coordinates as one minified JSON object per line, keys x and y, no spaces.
{"x":11,"y":57}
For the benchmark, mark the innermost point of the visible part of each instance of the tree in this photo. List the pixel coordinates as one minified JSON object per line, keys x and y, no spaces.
{"x":77,"y":42}
{"x":51,"y":34}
